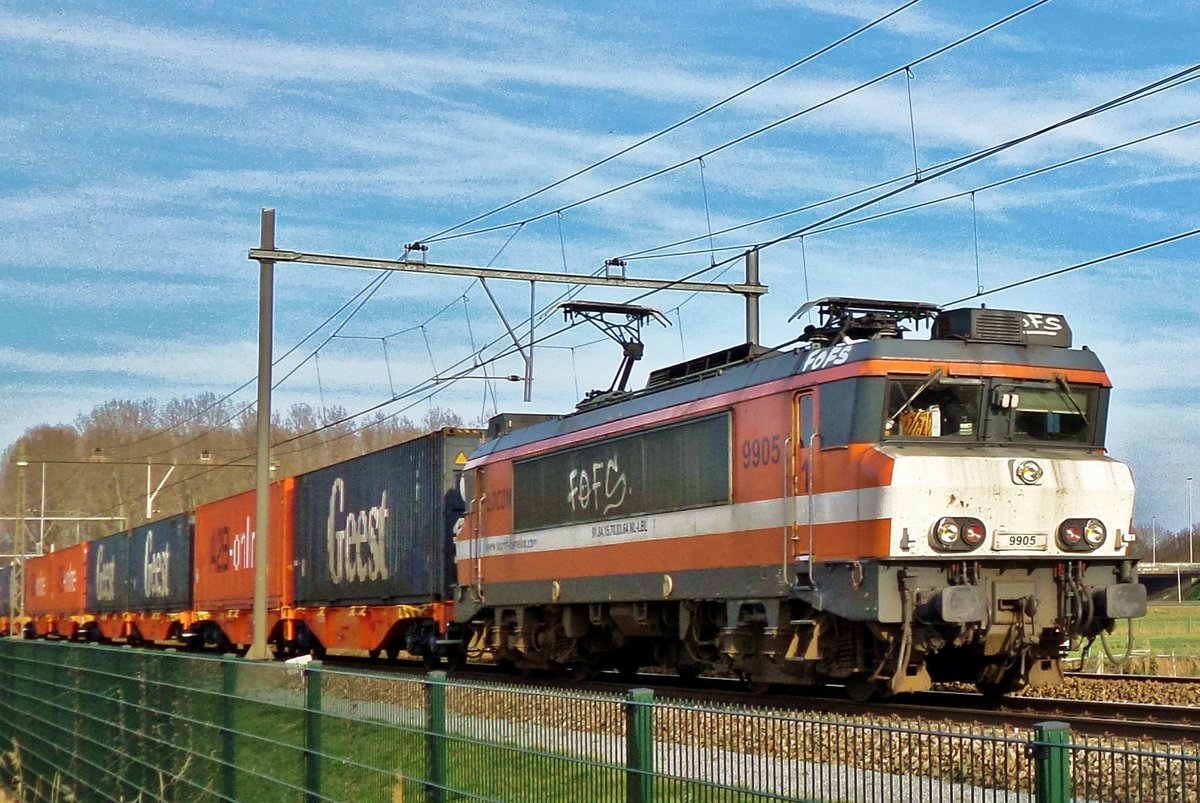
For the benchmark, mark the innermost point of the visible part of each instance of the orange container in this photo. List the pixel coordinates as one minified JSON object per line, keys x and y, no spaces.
{"x":223,"y":564}
{"x":56,"y":589}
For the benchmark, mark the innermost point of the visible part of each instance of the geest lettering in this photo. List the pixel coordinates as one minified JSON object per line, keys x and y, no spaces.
{"x":106,"y":577}
{"x":356,"y":547}
{"x":156,"y":571}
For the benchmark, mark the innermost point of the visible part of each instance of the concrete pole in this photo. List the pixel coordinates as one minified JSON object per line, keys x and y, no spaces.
{"x":1191,"y":526}
{"x":42,"y":516}
{"x":752,"y":300}
{"x":1154,"y":540}
{"x":19,"y":546}
{"x":262,"y":525}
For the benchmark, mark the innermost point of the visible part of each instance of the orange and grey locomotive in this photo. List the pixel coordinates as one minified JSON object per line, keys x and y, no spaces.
{"x":867,"y":508}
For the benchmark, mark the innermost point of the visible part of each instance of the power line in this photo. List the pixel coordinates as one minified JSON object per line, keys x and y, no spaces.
{"x":1078,"y":266}
{"x":662,"y":132}
{"x":248,"y":382}
{"x":937,"y":172}
{"x":1140,"y":93}
{"x":649,"y":253}
{"x":730,"y":143}
{"x":761,"y":130}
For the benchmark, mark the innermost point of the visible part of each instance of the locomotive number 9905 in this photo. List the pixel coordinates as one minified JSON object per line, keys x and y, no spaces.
{"x":762,"y":451}
{"x":1020,"y":541}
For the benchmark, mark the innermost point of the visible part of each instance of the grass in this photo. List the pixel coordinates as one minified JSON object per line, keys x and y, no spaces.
{"x":1165,"y":641}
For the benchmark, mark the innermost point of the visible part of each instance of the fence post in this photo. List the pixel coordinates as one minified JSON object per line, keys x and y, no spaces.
{"x":435,"y":736}
{"x":312,"y":732}
{"x":229,"y":672}
{"x":1053,"y":762}
{"x":639,"y":746}
{"x":133,"y":680}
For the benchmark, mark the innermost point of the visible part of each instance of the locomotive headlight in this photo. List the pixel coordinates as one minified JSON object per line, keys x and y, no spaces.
{"x":946,"y":532}
{"x":974,"y":533}
{"x":1028,"y":472}
{"x":1071,"y":533}
{"x":1094,"y":533}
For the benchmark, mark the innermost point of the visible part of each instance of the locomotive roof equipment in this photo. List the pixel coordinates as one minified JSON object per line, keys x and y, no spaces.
{"x":861,"y":318}
{"x":627,"y":332}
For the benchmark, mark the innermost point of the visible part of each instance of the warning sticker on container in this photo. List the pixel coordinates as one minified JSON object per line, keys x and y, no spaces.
{"x":461,"y":460}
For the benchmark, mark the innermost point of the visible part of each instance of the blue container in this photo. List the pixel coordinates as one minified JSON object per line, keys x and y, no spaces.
{"x":160,"y":565}
{"x":380,"y":528}
{"x":108,"y":574}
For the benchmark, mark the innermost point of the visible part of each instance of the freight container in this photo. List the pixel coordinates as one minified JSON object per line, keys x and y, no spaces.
{"x":379,"y":529}
{"x":56,"y":590}
{"x":224,"y":550}
{"x":108,"y":574}
{"x":159,"y":567}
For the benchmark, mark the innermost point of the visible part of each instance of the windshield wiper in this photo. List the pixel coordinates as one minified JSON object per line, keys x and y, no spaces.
{"x":934,"y":376}
{"x":1065,"y":390}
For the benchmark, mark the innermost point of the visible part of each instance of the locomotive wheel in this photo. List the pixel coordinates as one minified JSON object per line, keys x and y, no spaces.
{"x":860,"y":688}
{"x":456,"y":660}
{"x":995,"y":690}
{"x":431,"y":660}
{"x":373,"y":654}
{"x":627,"y":667}
{"x":578,"y":670}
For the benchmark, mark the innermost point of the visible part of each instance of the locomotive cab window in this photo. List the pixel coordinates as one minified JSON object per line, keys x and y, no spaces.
{"x":1047,"y":412}
{"x":933,"y":407}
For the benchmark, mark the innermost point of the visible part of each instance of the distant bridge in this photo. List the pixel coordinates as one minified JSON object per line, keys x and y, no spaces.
{"x":1161,"y":578}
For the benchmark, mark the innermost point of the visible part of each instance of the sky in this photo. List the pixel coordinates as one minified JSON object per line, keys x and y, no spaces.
{"x":138,"y":142}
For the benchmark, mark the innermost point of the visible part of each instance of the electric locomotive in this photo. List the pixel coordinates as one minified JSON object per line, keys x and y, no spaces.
{"x":866,"y":508}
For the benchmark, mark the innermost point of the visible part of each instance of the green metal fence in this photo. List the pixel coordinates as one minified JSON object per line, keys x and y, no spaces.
{"x":98,"y":723}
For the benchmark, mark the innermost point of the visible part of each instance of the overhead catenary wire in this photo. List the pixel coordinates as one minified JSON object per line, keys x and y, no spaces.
{"x":1078,"y":266}
{"x":374,"y":286}
{"x":430,"y":389}
{"x":756,"y":132}
{"x":800,"y":62}
{"x":1146,"y":90}
{"x":660,"y":252}
{"x":947,"y":167}
{"x":674,"y":126}
{"x":157,"y":433}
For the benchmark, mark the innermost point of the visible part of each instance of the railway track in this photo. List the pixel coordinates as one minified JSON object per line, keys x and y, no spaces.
{"x":955,"y":708}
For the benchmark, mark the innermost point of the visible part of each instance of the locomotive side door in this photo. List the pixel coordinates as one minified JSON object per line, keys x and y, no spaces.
{"x":805,"y":446}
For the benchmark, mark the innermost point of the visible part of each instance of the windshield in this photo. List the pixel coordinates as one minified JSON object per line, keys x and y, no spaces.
{"x":990,"y":410}
{"x":1050,"y":414}
{"x":933,"y":408}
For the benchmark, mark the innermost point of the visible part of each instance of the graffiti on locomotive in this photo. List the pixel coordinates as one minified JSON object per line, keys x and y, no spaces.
{"x":627,"y":476}
{"x":600,"y":487}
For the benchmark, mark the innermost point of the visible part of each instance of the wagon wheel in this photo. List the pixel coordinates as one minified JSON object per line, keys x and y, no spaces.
{"x":996,"y":689}
{"x":456,"y":660}
{"x":860,"y":688}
